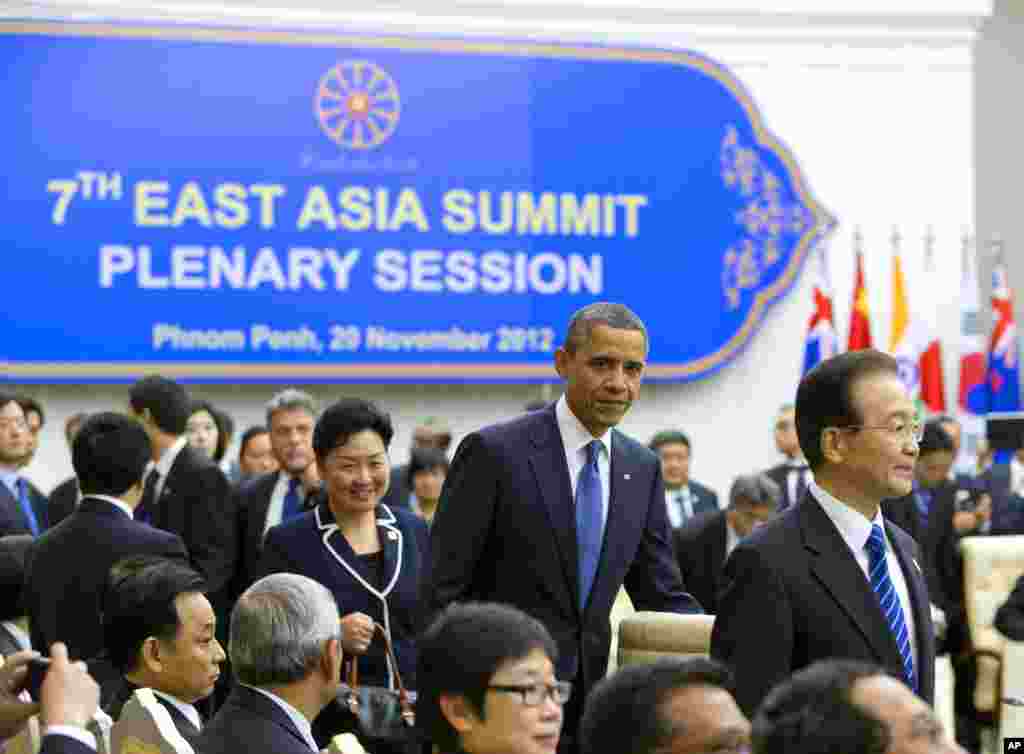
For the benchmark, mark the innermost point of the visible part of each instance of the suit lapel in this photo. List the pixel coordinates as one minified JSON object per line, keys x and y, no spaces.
{"x":619,"y":522}
{"x":549,"y":467}
{"x":835,"y":567}
{"x":265,"y":708}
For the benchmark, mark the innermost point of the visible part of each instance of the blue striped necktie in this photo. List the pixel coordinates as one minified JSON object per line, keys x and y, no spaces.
{"x":889,"y":601}
{"x":589,"y":522}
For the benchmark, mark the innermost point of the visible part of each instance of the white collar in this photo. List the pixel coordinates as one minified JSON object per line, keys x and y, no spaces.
{"x":854,"y":527}
{"x":190,"y":712}
{"x":116,"y":502}
{"x":170,"y":455}
{"x":575,"y":436}
{"x":297,"y":718}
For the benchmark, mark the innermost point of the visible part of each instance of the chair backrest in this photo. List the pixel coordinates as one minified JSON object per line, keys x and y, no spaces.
{"x":146,"y":727}
{"x":648,"y":636}
{"x":992,"y":565}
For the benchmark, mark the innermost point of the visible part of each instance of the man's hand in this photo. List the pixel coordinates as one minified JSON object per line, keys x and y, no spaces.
{"x":964,"y":521}
{"x":15,"y":712}
{"x":69,"y":694}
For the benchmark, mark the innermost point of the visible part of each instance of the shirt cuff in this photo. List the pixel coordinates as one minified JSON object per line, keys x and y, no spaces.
{"x":72,"y":731}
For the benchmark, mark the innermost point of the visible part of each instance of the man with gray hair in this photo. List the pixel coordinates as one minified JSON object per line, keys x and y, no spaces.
{"x":286,"y":653}
{"x":268,"y":500}
{"x":705,"y":541}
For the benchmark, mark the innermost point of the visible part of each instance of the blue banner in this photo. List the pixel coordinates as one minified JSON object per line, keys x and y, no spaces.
{"x":270,"y":206}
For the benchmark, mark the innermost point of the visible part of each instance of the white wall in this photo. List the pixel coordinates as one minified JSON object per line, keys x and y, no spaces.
{"x":874,"y":98}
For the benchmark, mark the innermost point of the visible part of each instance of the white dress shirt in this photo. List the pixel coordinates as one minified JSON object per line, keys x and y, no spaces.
{"x":276,"y":508}
{"x":121,"y":505}
{"x":1016,"y":476}
{"x":855,"y":530}
{"x":190,"y":712}
{"x":575,"y":438}
{"x":297,"y":718}
{"x":10,"y":478}
{"x":163,"y":466}
{"x":673,"y":499}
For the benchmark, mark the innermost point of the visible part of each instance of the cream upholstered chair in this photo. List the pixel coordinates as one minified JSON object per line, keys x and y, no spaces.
{"x":1011,"y":717}
{"x":646,"y":636}
{"x":992,"y":565}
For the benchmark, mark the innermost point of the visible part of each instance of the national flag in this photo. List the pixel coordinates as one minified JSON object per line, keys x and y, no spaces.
{"x":860,"y":316}
{"x":972,"y":340}
{"x":914,"y":342}
{"x":1000,"y":390}
{"x":822,"y":341}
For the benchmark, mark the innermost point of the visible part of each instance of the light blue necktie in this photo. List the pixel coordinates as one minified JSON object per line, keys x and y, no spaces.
{"x":292,"y":503}
{"x":888,"y":599}
{"x":26,"y":507}
{"x":589,"y":523}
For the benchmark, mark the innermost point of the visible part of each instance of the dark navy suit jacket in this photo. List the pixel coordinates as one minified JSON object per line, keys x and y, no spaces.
{"x":12,"y":518}
{"x":250,"y":722}
{"x":312,"y":545}
{"x":68,"y":570}
{"x":505,"y":532}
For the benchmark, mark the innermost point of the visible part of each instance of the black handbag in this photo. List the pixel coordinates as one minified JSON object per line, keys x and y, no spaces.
{"x":382,"y":714}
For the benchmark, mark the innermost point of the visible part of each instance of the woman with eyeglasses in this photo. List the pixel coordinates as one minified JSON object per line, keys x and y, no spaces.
{"x":487,"y":682}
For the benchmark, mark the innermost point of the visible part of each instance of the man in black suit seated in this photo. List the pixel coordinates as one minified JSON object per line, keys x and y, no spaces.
{"x":850,"y":707}
{"x":672,"y":704}
{"x":793,"y":474}
{"x":64,"y":497}
{"x":70,"y":564}
{"x":830,"y":577}
{"x":270,"y":499}
{"x":160,"y":633}
{"x":22,"y":506}
{"x":186,"y":493}
{"x":13,"y":619}
{"x":705,"y":541}
{"x":286,"y":653}
{"x":684,"y":497}
{"x":68,"y":700}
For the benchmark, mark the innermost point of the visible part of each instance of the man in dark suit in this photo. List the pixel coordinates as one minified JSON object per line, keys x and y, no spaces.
{"x":160,"y":633}
{"x":279,"y":618}
{"x":22,"y":506}
{"x":70,"y":564}
{"x":704,"y":542}
{"x":185,"y":492}
{"x":793,"y":474}
{"x":271,"y":499}
{"x":554,"y":511}
{"x":830,"y":577}
{"x":68,"y":701}
{"x":430,"y":433}
{"x":684,"y":497}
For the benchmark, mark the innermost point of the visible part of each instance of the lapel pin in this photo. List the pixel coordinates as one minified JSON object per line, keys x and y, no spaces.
{"x":626,"y":476}
{"x":392,"y":535}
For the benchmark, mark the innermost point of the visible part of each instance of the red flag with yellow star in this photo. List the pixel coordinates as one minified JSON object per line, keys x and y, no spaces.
{"x":860,"y":316}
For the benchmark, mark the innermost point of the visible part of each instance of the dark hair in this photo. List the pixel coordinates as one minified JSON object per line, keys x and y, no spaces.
{"x":425,"y":459}
{"x":812,"y":713}
{"x":28,"y":405}
{"x":14,"y":550}
{"x":109,"y":454}
{"x":617,"y":316}
{"x":624,"y":712}
{"x":460,"y":653}
{"x":824,"y":396}
{"x":669,"y":437}
{"x":229,"y":424}
{"x":249,"y":435}
{"x":218,"y":420}
{"x":935,"y":438}
{"x":139,"y":603}
{"x":348,"y":417}
{"x":166,"y":400}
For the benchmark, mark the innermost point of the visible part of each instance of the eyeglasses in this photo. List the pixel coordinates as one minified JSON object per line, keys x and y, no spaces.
{"x":901,"y":430}
{"x":535,"y":693}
